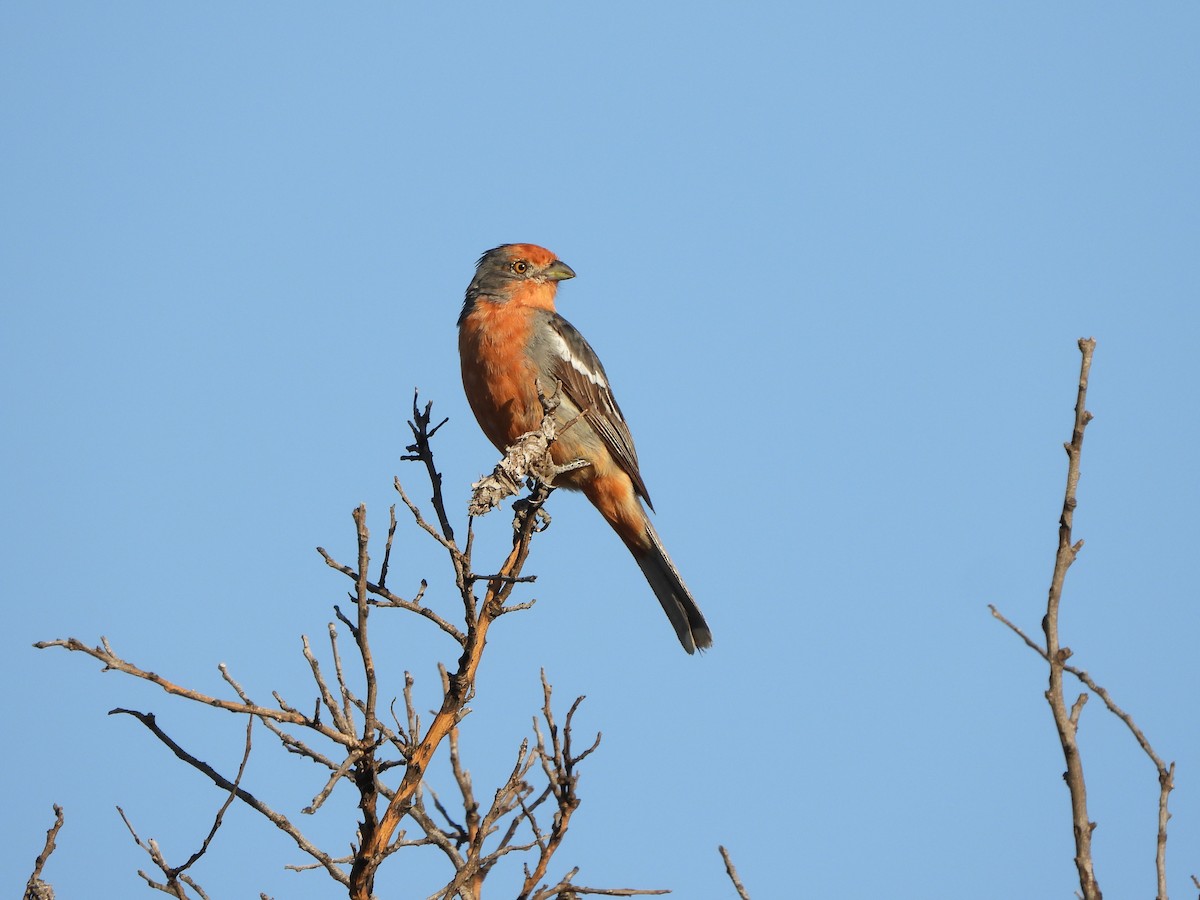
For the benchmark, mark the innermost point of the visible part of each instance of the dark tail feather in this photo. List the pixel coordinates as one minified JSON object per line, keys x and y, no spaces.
{"x":674,"y":596}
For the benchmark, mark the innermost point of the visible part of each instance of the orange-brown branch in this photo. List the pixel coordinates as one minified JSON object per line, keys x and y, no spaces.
{"x":460,"y":689}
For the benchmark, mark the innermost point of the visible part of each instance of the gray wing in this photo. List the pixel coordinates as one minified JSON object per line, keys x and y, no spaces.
{"x":573,"y":362}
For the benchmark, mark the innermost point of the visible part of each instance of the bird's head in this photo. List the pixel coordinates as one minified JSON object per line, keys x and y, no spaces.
{"x":505,"y":269}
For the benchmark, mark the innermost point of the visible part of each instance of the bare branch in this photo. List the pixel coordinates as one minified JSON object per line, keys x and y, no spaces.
{"x":344,"y":724}
{"x":567,"y":889}
{"x":391,"y":599}
{"x":277,"y":819}
{"x":340,"y":675}
{"x":175,"y":875}
{"x":35,"y":888}
{"x":733,"y":875}
{"x":172,"y":886}
{"x":414,"y":719}
{"x":387,"y":548}
{"x":224,"y":806}
{"x":461,"y":686}
{"x":1166,"y":772}
{"x":104,"y":653}
{"x":483,"y":838}
{"x":462,"y":778}
{"x":559,"y":767}
{"x":419,"y":518}
{"x":420,"y":451}
{"x":360,"y":634}
{"x":447,"y":842}
{"x":1066,"y":722}
{"x":342,"y":770}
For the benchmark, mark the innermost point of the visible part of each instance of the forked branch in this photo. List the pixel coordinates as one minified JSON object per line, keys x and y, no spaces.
{"x":372,"y":744}
{"x":1066,"y":720}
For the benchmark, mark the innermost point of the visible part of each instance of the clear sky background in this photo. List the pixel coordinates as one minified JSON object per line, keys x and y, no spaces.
{"x":835,"y":257}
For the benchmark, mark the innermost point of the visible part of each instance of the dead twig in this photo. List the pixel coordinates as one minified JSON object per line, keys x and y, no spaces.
{"x":105,"y":654}
{"x":1166,"y":771}
{"x":279,"y":820}
{"x":387,"y":598}
{"x":559,"y":765}
{"x":35,"y":888}
{"x":421,"y":451}
{"x":1067,"y":720}
{"x":566,"y":889}
{"x":733,"y":875}
{"x":1065,"y":723}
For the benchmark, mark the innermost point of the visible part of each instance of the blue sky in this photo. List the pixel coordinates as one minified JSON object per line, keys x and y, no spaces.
{"x":835,"y":258}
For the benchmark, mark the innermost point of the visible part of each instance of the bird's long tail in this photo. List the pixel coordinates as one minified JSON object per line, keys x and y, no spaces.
{"x":672,"y":593}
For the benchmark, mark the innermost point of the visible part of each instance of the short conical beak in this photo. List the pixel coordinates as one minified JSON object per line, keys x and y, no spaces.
{"x":559,"y":271}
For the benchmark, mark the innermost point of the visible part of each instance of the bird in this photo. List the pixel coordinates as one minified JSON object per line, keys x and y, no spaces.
{"x":512,"y":344}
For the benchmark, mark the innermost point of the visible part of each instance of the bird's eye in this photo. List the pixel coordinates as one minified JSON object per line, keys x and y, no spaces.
{"x":520,"y":267}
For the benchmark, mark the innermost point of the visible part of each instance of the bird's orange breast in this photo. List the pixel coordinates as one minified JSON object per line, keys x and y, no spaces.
{"x":499,"y":377}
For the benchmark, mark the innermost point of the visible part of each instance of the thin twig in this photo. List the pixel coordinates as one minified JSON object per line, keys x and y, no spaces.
{"x":1166,"y":771}
{"x":152,"y":849}
{"x":340,"y":675}
{"x":360,"y":634}
{"x":422,"y":452}
{"x":558,"y":764}
{"x":105,"y":654}
{"x":1064,"y":721}
{"x":733,"y":875}
{"x":224,"y":806}
{"x":391,"y":599}
{"x":344,"y":723}
{"x":35,"y":888}
{"x":566,"y":888}
{"x":277,"y":819}
{"x":387,"y":548}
